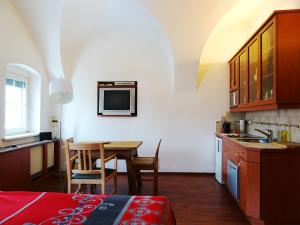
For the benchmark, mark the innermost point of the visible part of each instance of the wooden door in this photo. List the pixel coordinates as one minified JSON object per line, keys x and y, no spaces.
{"x":15,"y":170}
{"x":231,"y":75}
{"x":267,"y":57}
{"x":243,"y":78}
{"x":253,"y":71}
{"x":224,"y":163}
{"x":243,"y":185}
{"x":234,"y":70}
{"x":236,"y":73}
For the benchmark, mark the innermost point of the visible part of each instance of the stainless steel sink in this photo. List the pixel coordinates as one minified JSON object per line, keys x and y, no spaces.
{"x":253,"y":140}
{"x":243,"y":136}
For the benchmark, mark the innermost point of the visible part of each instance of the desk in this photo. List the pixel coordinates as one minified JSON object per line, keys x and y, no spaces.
{"x":15,"y":166}
{"x":124,"y":150}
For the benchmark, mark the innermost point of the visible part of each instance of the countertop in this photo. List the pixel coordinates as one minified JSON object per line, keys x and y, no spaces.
{"x":25,"y":145}
{"x":260,"y":146}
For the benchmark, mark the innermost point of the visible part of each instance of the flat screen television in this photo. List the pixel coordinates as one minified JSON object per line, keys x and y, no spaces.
{"x":117,"y":99}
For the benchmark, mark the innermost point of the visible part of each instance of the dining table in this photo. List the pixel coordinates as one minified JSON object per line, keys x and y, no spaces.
{"x":125,"y":150}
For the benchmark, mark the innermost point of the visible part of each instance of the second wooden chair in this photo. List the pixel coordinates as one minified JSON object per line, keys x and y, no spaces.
{"x":147,"y":163}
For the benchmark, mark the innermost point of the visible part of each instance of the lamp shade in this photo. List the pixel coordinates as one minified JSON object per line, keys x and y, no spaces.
{"x":61,"y":91}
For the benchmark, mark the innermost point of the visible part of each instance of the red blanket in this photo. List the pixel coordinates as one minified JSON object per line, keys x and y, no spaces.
{"x":32,"y":208}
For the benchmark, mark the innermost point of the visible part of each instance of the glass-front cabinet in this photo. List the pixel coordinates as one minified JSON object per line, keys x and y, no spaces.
{"x":253,"y":71}
{"x":243,"y":87}
{"x":265,"y":72}
{"x":267,"y":39}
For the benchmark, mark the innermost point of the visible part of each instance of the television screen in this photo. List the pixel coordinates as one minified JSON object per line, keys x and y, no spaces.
{"x":116,"y":100}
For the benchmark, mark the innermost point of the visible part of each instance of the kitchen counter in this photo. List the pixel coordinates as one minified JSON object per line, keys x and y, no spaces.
{"x":259,"y":146}
{"x":263,"y":174}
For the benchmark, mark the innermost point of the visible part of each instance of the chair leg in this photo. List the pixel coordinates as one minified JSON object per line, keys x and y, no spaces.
{"x":115,"y":185}
{"x":155,"y":188}
{"x":78,"y":189}
{"x":103,"y":187}
{"x":69,"y":187}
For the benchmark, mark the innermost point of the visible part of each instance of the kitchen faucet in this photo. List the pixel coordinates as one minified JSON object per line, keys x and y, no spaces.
{"x":268,"y":133}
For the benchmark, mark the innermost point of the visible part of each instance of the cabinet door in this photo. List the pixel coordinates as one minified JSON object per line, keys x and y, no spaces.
{"x":253,"y":71}
{"x":234,"y":69}
{"x":250,"y":188}
{"x":231,"y":75}
{"x":224,"y":164}
{"x":243,"y":75}
{"x":236,"y":73}
{"x":267,"y":53}
{"x":243,"y":185}
{"x":15,"y":170}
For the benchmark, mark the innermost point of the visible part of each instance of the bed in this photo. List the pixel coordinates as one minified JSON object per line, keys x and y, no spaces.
{"x":32,"y":208}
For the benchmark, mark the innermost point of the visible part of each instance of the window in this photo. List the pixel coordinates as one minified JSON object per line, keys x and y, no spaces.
{"x":16,"y":105}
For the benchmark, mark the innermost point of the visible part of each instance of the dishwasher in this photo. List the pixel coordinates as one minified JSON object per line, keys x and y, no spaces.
{"x":233,"y":179}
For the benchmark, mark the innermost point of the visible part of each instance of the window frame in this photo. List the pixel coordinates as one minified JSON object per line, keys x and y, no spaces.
{"x":23,"y":130}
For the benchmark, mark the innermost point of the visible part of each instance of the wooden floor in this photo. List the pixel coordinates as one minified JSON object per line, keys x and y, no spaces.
{"x":195,"y":199}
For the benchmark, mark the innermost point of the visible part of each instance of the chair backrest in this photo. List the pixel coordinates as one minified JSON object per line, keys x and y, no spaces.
{"x":157,"y":150}
{"x":85,"y":154}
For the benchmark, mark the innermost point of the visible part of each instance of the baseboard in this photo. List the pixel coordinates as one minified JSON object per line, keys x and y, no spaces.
{"x":175,"y":173}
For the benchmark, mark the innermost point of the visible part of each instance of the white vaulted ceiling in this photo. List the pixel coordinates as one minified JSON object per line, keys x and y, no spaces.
{"x":43,"y":19}
{"x":179,"y":28}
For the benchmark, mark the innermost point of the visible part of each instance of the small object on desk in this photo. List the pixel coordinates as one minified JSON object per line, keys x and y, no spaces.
{"x":9,"y":146}
{"x":45,"y":136}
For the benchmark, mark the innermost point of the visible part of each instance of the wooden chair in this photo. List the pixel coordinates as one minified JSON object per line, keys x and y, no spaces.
{"x":147,"y":163}
{"x":86,"y":172}
{"x":68,"y":140}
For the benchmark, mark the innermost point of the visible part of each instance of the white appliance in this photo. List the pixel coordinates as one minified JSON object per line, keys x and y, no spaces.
{"x":233,"y":179}
{"x":219,"y":143}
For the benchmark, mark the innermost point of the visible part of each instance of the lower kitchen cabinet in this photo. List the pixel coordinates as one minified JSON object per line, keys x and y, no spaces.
{"x":268,"y":181}
{"x":250,"y":188}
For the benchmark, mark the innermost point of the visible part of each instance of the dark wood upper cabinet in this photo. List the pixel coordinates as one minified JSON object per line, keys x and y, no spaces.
{"x":269,"y":65}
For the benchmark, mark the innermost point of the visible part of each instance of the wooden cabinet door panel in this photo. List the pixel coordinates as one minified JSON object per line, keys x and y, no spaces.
{"x":14,"y":169}
{"x":253,"y":190}
{"x":224,"y":165}
{"x":253,"y":71}
{"x":231,"y":75}
{"x":267,"y":57}
{"x":250,"y":188}
{"x":243,"y":185}
{"x":243,"y":78}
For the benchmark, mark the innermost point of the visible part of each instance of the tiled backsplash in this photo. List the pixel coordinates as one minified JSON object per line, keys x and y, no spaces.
{"x":289,"y":116}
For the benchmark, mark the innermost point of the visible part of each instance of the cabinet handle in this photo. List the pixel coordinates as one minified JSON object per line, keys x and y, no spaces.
{"x":237,"y":155}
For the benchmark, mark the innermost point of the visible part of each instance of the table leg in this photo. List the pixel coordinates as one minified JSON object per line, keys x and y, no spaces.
{"x":131,"y":177}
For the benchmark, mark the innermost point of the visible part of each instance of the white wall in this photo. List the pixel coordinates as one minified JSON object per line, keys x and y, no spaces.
{"x":185,"y":120}
{"x":18,"y":47}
